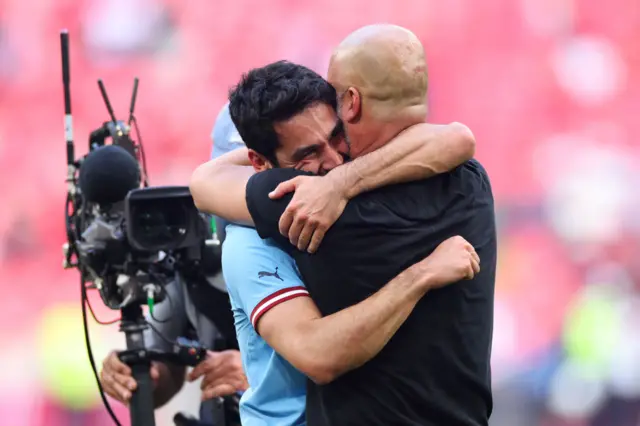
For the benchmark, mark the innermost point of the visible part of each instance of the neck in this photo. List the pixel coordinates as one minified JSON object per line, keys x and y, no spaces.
{"x":381,"y":134}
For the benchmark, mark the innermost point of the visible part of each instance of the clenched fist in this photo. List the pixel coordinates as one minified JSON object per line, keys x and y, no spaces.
{"x":453,"y":260}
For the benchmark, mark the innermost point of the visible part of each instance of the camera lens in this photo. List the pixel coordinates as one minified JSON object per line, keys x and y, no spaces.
{"x":158,"y":223}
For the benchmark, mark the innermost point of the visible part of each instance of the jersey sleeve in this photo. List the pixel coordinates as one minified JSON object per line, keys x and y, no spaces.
{"x":259,"y":275}
{"x":264,"y":211}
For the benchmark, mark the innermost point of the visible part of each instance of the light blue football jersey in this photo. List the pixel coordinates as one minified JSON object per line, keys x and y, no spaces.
{"x":259,"y":275}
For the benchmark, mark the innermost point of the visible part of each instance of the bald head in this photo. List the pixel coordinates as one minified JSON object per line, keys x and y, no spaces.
{"x":386,"y":64}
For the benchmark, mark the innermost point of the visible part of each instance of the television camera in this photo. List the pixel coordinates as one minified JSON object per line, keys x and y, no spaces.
{"x":129,"y":241}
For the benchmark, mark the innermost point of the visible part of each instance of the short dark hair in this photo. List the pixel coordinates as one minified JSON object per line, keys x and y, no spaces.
{"x":274,"y":93}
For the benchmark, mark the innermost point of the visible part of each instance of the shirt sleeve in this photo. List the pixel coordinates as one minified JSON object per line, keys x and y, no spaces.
{"x":259,"y":275}
{"x":264,"y":211}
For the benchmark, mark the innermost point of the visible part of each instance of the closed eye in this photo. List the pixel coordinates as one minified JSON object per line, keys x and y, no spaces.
{"x":304,"y":152}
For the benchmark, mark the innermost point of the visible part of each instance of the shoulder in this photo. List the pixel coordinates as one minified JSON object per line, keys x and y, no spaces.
{"x":426,"y":198}
{"x":475,"y":167}
{"x":470,"y":178}
{"x":243,"y":246}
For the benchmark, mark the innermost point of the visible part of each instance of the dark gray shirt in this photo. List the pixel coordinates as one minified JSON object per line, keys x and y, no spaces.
{"x":177,"y":317}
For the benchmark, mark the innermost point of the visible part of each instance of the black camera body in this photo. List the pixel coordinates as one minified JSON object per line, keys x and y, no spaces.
{"x":126,"y":240}
{"x":130,"y":249}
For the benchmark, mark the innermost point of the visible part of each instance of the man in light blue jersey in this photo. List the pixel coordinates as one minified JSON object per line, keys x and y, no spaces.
{"x":263,"y":281}
{"x":277,"y":391}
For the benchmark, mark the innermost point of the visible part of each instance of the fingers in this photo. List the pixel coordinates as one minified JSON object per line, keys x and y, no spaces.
{"x":457,"y":239}
{"x":126,"y":382}
{"x":301,"y":230}
{"x":286,"y":220}
{"x":305,"y":236}
{"x":476,"y":266}
{"x":117,"y":386}
{"x":298,"y":225}
{"x":225,"y":377}
{"x":227,"y":370}
{"x":475,"y":257}
{"x":208,"y":366}
{"x":116,"y":379}
{"x":318,"y":235}
{"x":198,"y":371}
{"x":154,"y":373}
{"x":113,"y":363}
{"x":469,"y":272}
{"x":208,"y":381}
{"x":234,"y":378}
{"x":217,"y":391}
{"x":473,"y":253}
{"x":215,"y":375}
{"x":195,"y":373}
{"x":243,"y":385}
{"x":468,"y":246}
{"x":283,"y":189}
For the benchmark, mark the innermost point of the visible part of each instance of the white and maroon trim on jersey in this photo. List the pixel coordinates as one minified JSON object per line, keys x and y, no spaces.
{"x":274,"y":300}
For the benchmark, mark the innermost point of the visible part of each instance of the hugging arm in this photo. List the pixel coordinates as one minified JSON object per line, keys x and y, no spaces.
{"x":419,"y":152}
{"x":324,"y":348}
{"x":218,"y":186}
{"x":263,"y":280}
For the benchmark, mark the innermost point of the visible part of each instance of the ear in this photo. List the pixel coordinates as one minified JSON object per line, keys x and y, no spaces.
{"x":351,"y":105}
{"x":258,"y":162}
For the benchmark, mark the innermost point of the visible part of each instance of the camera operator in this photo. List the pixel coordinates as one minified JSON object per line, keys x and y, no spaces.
{"x":186,"y":313}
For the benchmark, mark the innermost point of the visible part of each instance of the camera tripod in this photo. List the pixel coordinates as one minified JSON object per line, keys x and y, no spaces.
{"x":139,"y":358}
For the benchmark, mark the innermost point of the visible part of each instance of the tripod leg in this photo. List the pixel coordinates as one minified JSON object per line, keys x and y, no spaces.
{"x":142,"y":399}
{"x":141,"y":407}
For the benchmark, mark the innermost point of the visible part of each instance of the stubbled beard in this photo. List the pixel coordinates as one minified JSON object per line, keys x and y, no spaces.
{"x":343,"y":128}
{"x":347,"y":141}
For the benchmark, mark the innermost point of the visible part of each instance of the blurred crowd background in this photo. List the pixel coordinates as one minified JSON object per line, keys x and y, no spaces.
{"x":551,"y":89}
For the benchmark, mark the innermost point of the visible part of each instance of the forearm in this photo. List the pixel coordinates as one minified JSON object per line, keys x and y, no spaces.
{"x":421,"y":151}
{"x":170,"y":381}
{"x":347,"y":339}
{"x":218,"y":187}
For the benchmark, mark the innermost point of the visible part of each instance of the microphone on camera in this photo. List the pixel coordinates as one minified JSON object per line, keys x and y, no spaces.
{"x":107,"y":175}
